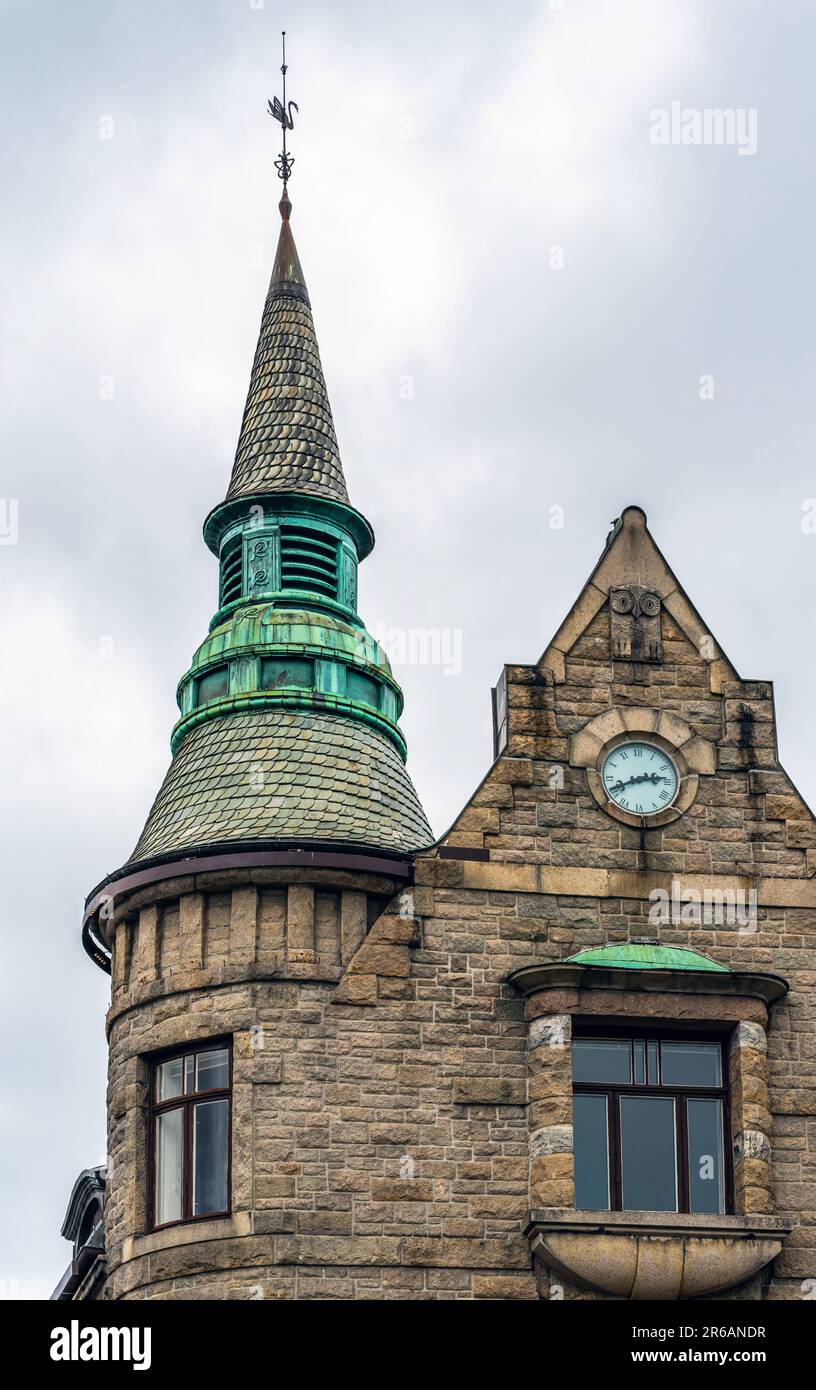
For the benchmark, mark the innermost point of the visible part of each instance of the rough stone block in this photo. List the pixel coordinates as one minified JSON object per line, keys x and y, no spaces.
{"x":487,"y":1090}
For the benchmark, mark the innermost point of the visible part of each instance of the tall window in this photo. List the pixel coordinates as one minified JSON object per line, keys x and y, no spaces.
{"x":190,"y":1134}
{"x":649,"y":1118}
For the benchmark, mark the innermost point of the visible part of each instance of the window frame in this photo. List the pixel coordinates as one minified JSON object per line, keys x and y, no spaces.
{"x":187,"y":1104}
{"x":613,"y":1091}
{"x":222,"y":667}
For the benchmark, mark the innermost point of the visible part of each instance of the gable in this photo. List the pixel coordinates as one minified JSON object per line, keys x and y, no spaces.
{"x":634,"y":653}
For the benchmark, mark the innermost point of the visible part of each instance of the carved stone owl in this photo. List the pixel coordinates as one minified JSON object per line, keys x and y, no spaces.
{"x":634,"y":614}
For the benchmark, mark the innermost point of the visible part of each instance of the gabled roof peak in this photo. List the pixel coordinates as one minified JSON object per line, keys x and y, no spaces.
{"x":637,"y":518}
{"x":631,"y":560}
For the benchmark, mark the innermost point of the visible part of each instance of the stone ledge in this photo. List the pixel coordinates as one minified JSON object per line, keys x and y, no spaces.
{"x":223,"y":976}
{"x":184,"y":1252}
{"x":569,"y":882}
{"x":189,"y":1233}
{"x":654,"y":1255}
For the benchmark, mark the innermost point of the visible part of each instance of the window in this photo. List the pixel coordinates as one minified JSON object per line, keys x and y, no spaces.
{"x":277,"y":672}
{"x":213,"y":686}
{"x":649,"y":1119}
{"x":362,"y":688}
{"x":190,"y":1134}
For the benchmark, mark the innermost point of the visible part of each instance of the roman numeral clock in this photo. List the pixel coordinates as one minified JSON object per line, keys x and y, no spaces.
{"x":642,"y":765}
{"x":639,"y":777}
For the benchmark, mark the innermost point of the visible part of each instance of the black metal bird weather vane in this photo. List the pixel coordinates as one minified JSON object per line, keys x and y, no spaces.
{"x":282,"y":111}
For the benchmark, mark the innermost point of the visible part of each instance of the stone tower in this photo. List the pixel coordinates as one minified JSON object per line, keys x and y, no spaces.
{"x":564,"y":1052}
{"x":286,"y":821}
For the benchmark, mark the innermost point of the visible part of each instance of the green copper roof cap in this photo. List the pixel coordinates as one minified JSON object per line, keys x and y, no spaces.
{"x":287,"y":441}
{"x":260,"y":656}
{"x":261,"y":625}
{"x":644,"y":956}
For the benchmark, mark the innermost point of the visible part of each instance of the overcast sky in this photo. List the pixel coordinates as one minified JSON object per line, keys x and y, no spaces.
{"x":523,"y":303}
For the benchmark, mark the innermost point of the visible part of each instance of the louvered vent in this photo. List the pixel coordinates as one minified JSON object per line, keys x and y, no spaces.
{"x":231,"y":575}
{"x":308,"y":561}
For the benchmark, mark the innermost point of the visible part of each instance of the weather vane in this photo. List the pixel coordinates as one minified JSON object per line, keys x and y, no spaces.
{"x":280,"y":111}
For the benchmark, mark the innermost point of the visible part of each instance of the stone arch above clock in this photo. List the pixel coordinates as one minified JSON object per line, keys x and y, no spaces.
{"x":693,"y":755}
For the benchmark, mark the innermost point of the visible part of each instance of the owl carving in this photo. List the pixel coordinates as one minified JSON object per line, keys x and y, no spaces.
{"x":635,"y":623}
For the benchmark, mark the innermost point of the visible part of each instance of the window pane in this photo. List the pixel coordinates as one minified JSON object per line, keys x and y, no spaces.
{"x":212,"y":686}
{"x":648,"y":1153}
{"x":591,"y":1143}
{"x":691,"y":1064}
{"x":602,"y":1059}
{"x":210,"y":1126}
{"x":168,"y":1166}
{"x":639,"y":1050}
{"x":706,"y":1167}
{"x":278,"y":673}
{"x":169,"y":1079}
{"x":212,"y":1069}
{"x":651,"y":1053}
{"x":362,"y":688}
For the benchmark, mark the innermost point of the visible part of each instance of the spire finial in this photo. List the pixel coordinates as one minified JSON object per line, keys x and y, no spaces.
{"x":279,"y":111}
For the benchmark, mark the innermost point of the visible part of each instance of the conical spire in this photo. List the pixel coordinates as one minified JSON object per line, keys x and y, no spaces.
{"x":287,"y":441}
{"x":288,"y":731}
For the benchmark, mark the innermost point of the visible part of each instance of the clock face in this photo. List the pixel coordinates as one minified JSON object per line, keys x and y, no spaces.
{"x":640,"y":778}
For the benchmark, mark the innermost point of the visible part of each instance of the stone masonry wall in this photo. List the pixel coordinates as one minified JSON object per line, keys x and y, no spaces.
{"x":381,"y":1133}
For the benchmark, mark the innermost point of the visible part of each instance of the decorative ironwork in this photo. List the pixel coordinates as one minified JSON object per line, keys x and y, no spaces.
{"x":281,"y":111}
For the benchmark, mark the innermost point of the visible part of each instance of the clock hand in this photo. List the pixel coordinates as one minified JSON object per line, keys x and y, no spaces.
{"x":644,"y":777}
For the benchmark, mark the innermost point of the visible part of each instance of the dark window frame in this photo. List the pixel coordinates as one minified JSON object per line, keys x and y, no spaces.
{"x":223,"y":668}
{"x":375,"y":699}
{"x":187,"y":1103}
{"x":680,"y":1094}
{"x":281,"y":661}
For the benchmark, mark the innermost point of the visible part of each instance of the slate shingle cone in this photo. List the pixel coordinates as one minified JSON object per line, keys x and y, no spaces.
{"x":324,"y":774}
{"x":287,"y":441}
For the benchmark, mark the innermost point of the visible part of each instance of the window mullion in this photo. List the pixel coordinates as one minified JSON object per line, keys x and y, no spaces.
{"x":615,"y":1154}
{"x":187,"y":1201}
{"x":683,"y":1176}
